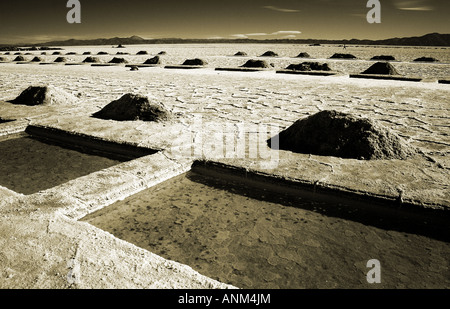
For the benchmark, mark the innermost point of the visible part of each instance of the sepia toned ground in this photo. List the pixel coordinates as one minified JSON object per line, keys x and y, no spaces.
{"x":44,"y":245}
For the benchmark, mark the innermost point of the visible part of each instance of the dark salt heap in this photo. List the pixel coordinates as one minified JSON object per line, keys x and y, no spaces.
{"x":44,"y":95}
{"x":91,"y":60}
{"x":118,"y":60}
{"x":332,"y":133}
{"x":195,"y":61}
{"x":19,"y":58}
{"x":309,"y":66}
{"x":342,"y":56}
{"x":256,"y":64}
{"x":131,"y":107}
{"x":303,"y":55}
{"x":426,"y":59}
{"x":154,"y":60}
{"x":60,"y":59}
{"x":383,"y":58}
{"x":269,"y":54}
{"x":381,"y":68}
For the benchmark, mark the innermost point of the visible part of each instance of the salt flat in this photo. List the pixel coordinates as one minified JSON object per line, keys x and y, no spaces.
{"x":43,"y":241}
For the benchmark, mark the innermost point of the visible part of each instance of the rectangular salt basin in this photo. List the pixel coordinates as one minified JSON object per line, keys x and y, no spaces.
{"x":259,"y":239}
{"x":29,"y":164}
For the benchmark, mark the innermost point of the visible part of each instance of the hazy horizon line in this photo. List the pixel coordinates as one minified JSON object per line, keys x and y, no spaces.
{"x":65,"y":39}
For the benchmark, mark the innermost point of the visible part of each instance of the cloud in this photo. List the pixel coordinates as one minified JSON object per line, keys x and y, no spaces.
{"x":274,"y":8}
{"x":420,"y":8}
{"x":284,"y":33}
{"x":290,"y":32}
{"x":256,"y":34}
{"x":413,"y":5}
{"x":240,"y":36}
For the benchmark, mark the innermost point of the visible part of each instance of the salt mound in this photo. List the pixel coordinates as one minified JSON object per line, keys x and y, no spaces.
{"x":342,"y":56}
{"x":154,"y":60}
{"x":384,"y":58}
{"x":256,"y":64}
{"x":87,"y":53}
{"x":426,"y":59}
{"x":381,"y":68}
{"x":242,"y":54}
{"x":132,"y":107}
{"x":56,"y":53}
{"x":162,"y":53}
{"x":332,"y":133}
{"x":195,"y":61}
{"x":61,"y":59}
{"x":102,"y":53}
{"x":36,"y":59}
{"x":269,"y":54}
{"x":303,"y":55}
{"x":20,"y":58}
{"x":44,"y":95}
{"x":309,"y":66}
{"x":91,"y":60}
{"x":142,"y":52}
{"x":118,"y":60}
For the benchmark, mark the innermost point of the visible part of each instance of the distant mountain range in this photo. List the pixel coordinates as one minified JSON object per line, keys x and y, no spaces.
{"x":432,"y":39}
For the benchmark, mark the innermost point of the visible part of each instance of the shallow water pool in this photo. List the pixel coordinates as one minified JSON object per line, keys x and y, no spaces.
{"x":29,"y":165}
{"x":260,"y":239}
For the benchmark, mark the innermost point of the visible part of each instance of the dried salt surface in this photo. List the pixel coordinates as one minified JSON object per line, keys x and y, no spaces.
{"x":76,"y":255}
{"x":64,"y":253}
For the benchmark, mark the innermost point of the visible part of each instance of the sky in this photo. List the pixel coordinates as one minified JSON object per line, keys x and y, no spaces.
{"x":34,"y":21}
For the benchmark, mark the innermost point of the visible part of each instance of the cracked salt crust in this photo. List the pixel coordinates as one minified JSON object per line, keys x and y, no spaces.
{"x":40,"y":237}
